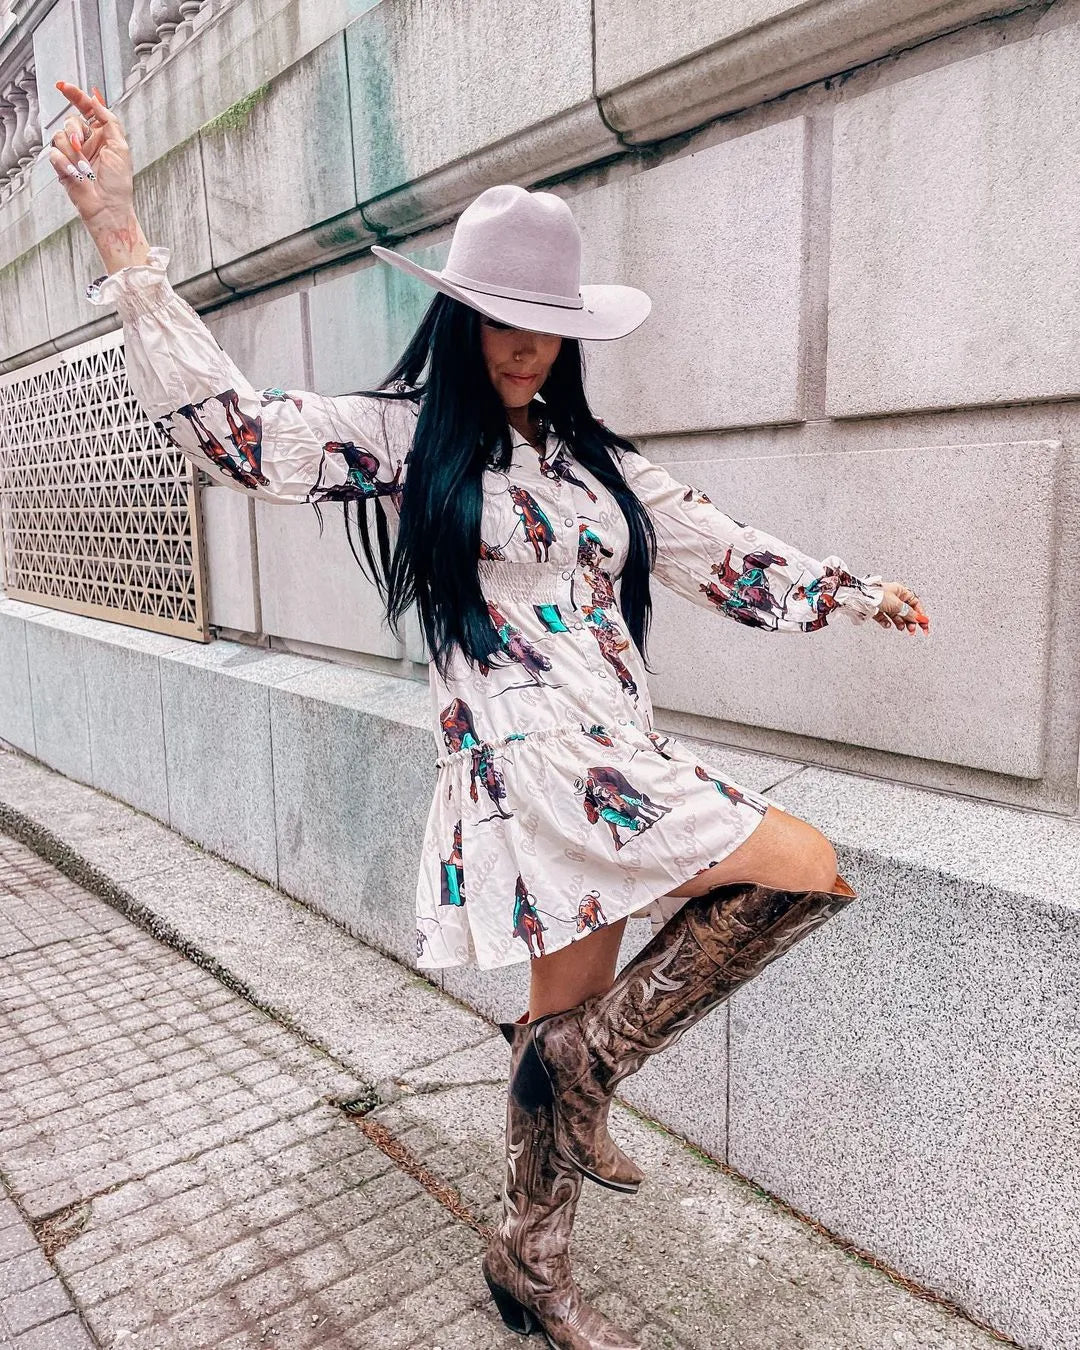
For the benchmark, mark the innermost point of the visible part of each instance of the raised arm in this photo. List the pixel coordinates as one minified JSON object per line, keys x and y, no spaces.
{"x":285,"y":446}
{"x":281,"y":445}
{"x":738,"y":571}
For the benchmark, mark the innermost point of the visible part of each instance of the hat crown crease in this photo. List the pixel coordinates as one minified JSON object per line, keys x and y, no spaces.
{"x":518,"y":244}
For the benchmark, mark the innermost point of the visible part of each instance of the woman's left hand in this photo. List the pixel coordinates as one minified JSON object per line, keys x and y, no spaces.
{"x":900,"y":608}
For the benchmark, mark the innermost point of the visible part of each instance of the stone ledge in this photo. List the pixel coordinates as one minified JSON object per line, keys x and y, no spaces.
{"x":1029,"y":854}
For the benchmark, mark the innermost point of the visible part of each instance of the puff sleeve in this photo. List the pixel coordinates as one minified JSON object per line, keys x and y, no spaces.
{"x":283,"y":446}
{"x":740,"y":571}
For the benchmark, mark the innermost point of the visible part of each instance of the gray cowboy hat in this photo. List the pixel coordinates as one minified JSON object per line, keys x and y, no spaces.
{"x":516,"y":257}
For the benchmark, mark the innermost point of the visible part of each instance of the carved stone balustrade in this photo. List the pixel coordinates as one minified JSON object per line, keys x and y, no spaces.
{"x":159,"y":27}
{"x":20,"y":140}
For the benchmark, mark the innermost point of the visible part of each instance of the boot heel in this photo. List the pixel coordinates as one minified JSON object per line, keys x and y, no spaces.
{"x":531,"y":1087}
{"x":516,"y":1316}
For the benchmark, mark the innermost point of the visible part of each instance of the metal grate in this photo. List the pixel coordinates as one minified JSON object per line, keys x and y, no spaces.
{"x":98,"y":513}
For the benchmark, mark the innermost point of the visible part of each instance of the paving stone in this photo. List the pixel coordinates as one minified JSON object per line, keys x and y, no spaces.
{"x":34,"y":1306}
{"x":65,"y":1333}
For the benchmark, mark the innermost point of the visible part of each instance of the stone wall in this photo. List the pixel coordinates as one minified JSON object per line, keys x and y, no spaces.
{"x":857,"y":223}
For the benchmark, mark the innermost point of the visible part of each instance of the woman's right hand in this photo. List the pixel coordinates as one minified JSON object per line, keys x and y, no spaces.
{"x":96,"y":170}
{"x":97,"y":175}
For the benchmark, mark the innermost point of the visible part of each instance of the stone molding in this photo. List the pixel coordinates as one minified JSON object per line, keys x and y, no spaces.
{"x":805,"y":44}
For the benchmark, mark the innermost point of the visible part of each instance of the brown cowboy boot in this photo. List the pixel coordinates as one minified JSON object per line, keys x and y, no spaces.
{"x":527,"y":1264}
{"x":712,"y":945}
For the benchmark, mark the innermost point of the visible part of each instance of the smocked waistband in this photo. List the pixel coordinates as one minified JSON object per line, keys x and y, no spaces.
{"x":561,"y":732}
{"x":539,"y":583}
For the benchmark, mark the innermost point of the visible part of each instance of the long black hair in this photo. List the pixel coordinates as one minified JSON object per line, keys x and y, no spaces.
{"x":461,"y":430}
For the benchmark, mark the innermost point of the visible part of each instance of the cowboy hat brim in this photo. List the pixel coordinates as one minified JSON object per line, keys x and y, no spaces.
{"x":607,"y":312}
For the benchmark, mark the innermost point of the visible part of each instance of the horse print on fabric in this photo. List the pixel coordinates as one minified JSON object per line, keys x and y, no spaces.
{"x":728,"y":790}
{"x":363,"y":479}
{"x":591,"y":554}
{"x":245,"y":433}
{"x":611,"y":641}
{"x":558,"y":469}
{"x":459,"y":733}
{"x":527,"y":922}
{"x":819,"y":592}
{"x":609,"y":796}
{"x":518,"y":647}
{"x":591,"y":548}
{"x":602,"y":591}
{"x":590,"y":913}
{"x":747,"y":597}
{"x":538,"y":530}
{"x":453,"y":873}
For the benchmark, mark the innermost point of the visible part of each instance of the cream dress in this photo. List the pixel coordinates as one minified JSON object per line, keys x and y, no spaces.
{"x":557,"y":807}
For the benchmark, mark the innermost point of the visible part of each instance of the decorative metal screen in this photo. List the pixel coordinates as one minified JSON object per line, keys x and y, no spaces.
{"x":98,"y":513}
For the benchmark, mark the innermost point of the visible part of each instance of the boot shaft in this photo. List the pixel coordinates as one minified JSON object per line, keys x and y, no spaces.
{"x":527,"y":1265}
{"x":714,"y":944}
{"x":540,"y":1189}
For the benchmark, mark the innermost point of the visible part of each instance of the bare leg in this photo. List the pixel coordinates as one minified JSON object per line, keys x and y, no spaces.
{"x":575,"y":972}
{"x":782,"y":851}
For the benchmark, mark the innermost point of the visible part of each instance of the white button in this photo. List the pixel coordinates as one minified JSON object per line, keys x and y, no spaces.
{"x":567,"y":575}
{"x":579,"y":624}
{"x":622,"y":721}
{"x":568,"y":521}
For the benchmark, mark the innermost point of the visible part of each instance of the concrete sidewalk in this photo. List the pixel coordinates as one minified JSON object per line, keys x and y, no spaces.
{"x":226,"y":1123}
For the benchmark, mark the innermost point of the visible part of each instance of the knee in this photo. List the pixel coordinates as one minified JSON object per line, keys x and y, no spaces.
{"x":803,"y":857}
{"x":819,"y":865}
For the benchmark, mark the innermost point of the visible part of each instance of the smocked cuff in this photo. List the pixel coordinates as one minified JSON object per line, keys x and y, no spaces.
{"x":139,"y":288}
{"x":860,"y":601}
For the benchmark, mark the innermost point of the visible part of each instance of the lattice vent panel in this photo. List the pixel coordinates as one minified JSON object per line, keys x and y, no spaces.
{"x":97,"y":511}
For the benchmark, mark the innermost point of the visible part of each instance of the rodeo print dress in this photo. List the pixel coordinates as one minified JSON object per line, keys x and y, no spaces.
{"x":557,"y":806}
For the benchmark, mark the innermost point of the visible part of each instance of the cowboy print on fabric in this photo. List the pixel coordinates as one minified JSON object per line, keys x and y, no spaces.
{"x":557,"y":807}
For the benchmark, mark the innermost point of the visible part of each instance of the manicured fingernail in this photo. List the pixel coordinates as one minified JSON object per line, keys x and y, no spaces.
{"x":85,"y":168}
{"x":70,"y":168}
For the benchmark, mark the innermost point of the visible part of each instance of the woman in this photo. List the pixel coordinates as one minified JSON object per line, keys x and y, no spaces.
{"x":558,"y":810}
